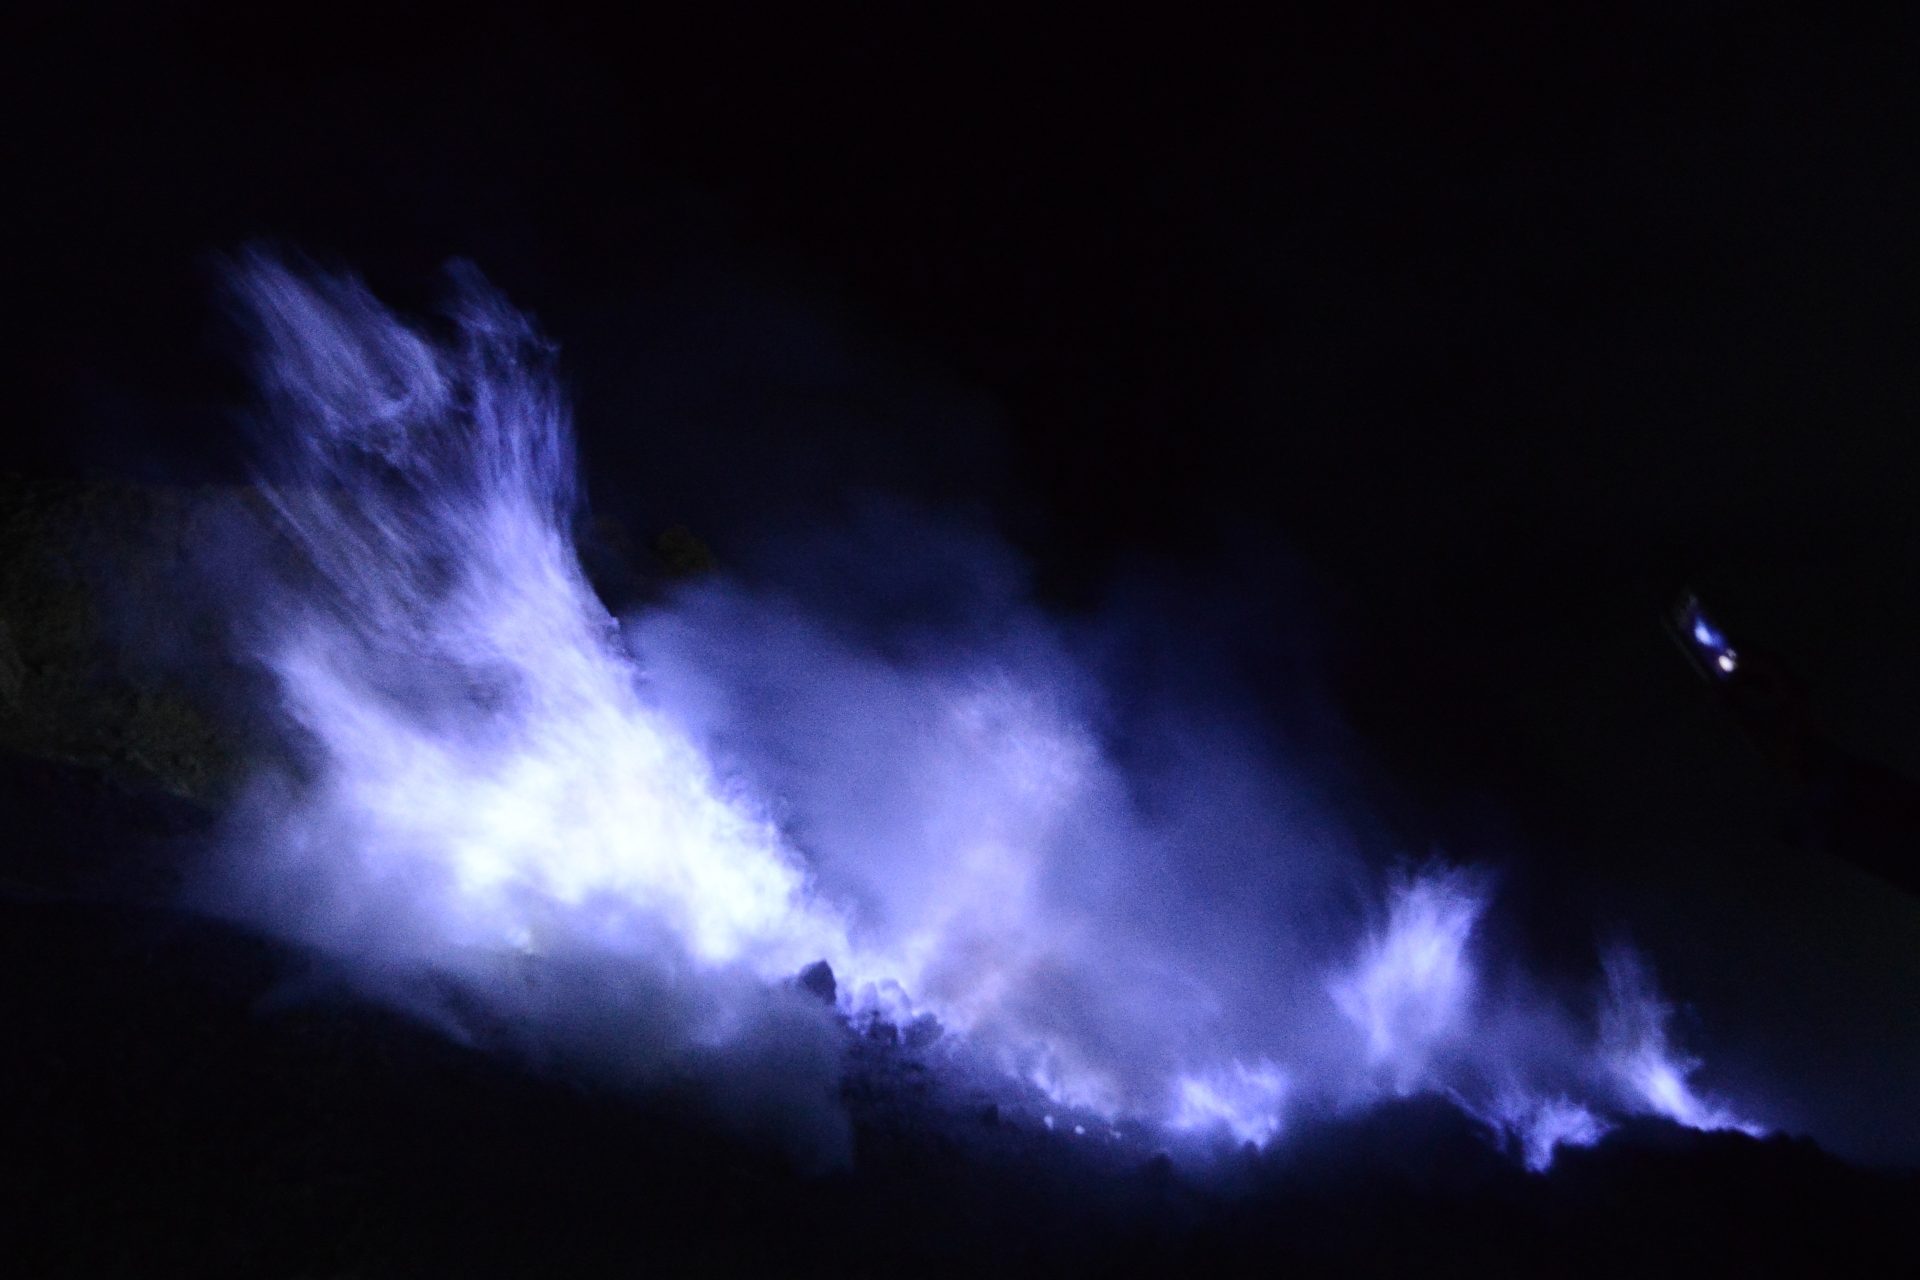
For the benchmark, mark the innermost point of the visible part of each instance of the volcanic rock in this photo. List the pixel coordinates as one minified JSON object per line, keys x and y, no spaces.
{"x":817,"y":980}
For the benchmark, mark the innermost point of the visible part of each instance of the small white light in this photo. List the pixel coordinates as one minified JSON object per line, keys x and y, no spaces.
{"x":1726,"y":662}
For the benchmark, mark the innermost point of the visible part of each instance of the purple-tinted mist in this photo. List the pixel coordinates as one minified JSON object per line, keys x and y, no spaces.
{"x":620,"y":838}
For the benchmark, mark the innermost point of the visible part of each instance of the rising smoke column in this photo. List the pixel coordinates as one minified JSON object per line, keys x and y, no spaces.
{"x":621,"y":841}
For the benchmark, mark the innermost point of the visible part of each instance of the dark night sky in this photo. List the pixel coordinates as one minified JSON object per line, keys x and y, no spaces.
{"x":1505,"y":326}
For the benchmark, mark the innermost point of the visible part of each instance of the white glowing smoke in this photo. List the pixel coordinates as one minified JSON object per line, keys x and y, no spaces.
{"x":485,"y":772}
{"x":733,"y":788}
{"x":1635,"y":1047}
{"x":1410,"y":990}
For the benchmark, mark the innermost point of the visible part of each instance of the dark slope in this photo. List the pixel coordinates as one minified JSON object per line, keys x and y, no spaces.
{"x":171,"y":1112}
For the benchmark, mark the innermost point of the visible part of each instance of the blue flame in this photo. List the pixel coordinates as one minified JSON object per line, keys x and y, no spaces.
{"x":668,"y":819}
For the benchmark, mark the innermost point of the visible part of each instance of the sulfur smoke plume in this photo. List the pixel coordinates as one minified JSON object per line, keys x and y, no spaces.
{"x":610,"y":844}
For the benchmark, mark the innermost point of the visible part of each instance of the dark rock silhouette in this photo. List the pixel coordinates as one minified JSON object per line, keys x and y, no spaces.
{"x":817,"y":980}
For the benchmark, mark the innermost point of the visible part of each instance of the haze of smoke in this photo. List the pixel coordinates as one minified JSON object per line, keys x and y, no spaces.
{"x":619,"y":843}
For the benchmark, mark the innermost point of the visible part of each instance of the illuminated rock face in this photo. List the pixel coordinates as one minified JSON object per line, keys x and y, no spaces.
{"x":627,"y":839}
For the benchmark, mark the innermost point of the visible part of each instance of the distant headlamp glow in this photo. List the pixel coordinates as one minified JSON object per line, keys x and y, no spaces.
{"x":1706,"y":643}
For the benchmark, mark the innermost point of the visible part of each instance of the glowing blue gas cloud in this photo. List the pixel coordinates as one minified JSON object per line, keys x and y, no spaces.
{"x":624,"y":838}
